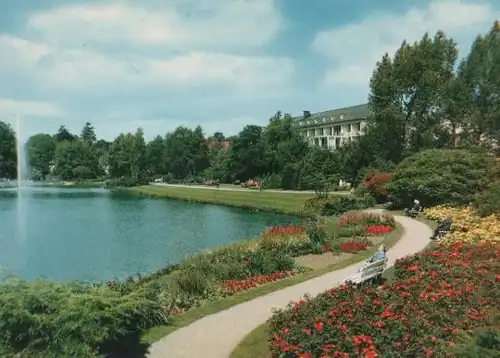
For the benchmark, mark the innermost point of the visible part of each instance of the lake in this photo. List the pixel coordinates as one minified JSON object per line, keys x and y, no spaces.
{"x":94,"y":235}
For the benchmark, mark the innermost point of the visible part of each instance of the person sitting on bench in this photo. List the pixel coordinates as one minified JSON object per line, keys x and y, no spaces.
{"x":415,"y":209}
{"x":443,"y":227}
{"x":379,"y":255}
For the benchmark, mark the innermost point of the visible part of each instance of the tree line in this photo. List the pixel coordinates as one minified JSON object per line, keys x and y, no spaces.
{"x":421,"y":97}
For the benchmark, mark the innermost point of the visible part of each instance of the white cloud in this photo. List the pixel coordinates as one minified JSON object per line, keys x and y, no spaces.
{"x":178,"y":24}
{"x":74,"y":47}
{"x":355,"y":48}
{"x":9,"y":108}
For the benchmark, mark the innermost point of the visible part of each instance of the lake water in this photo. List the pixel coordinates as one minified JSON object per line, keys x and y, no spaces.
{"x":97,"y":234}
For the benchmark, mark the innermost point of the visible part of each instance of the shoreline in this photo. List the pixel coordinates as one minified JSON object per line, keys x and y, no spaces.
{"x":273,"y":202}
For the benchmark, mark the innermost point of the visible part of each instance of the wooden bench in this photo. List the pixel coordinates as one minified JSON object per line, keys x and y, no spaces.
{"x":369,"y":272}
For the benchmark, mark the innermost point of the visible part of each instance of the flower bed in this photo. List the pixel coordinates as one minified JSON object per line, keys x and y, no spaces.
{"x":288,"y":230}
{"x":378,"y":230}
{"x":354,"y":219}
{"x":467,"y":226}
{"x":353,"y":246}
{"x":436,"y":295}
{"x":234,"y":286}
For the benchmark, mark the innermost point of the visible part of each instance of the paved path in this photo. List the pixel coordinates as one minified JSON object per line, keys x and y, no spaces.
{"x":309,"y":192}
{"x":215,"y":336}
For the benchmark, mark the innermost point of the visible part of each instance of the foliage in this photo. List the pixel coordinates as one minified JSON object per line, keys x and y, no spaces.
{"x":41,"y":150}
{"x":467,"y":226}
{"x":376,"y":185}
{"x":487,"y":202}
{"x":435,"y":296}
{"x":48,"y":319}
{"x":434,"y":176}
{"x":345,"y":204}
{"x":8,"y":157}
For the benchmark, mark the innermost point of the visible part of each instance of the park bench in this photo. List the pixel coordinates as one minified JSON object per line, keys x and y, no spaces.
{"x":369,"y":272}
{"x":442,"y":229}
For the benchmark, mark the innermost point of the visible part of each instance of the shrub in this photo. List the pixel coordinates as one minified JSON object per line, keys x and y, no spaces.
{"x":487,"y":202}
{"x":435,"y":297}
{"x":271,"y":181}
{"x":345,"y":204}
{"x":375,"y":184}
{"x":71,"y":320}
{"x":316,"y":232}
{"x":439,"y":176}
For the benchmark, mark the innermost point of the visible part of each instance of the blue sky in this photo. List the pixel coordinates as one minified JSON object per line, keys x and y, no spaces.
{"x":221,"y":64}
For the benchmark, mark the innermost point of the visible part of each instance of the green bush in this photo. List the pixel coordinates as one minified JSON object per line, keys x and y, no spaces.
{"x":126,"y":182}
{"x":44,"y":319}
{"x":344,"y":204}
{"x":487,"y":202}
{"x":271,"y":181}
{"x":439,"y":176}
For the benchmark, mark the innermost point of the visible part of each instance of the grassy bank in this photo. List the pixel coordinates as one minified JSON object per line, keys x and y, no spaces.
{"x":289,"y":203}
{"x":224,"y":303}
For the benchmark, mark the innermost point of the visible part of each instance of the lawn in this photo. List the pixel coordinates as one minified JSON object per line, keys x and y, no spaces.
{"x":290,"y":203}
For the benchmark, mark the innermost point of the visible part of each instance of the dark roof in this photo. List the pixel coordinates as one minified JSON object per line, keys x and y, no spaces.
{"x":361,"y":111}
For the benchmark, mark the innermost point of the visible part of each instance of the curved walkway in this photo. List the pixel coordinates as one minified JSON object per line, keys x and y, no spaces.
{"x":215,"y":336}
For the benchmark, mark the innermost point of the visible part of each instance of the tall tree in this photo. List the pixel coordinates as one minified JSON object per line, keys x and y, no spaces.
{"x":477,"y":92}
{"x":154,"y":156}
{"x":63,"y":134}
{"x":75,"y":160}
{"x":127,"y":154}
{"x":41,"y":149}
{"x":88,"y":134}
{"x":186,"y":152}
{"x":8,"y":152}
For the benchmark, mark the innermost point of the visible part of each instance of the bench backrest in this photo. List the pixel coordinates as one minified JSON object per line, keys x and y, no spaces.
{"x":373,"y":268}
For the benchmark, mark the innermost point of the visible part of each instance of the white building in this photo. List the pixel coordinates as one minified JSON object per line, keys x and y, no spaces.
{"x":334,"y":128}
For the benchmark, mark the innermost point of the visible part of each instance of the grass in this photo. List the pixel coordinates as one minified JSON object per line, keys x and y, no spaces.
{"x":219,"y":305}
{"x":289,"y":203}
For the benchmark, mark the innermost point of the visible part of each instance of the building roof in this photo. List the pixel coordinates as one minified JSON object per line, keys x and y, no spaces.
{"x":361,"y":111}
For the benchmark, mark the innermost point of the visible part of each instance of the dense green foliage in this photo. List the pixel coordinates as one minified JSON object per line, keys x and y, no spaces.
{"x":44,"y":319}
{"x":8,"y":159}
{"x":436,"y":177}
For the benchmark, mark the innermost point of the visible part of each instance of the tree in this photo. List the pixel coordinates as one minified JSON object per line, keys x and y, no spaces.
{"x":88,"y":134}
{"x":186,"y":152}
{"x":218,"y":136}
{"x":247,"y":154}
{"x":41,"y":149}
{"x":439,"y":176}
{"x":63,"y":134}
{"x":70,"y":155}
{"x":154,"y":156}
{"x":127,"y":156}
{"x":477,"y":90}
{"x":8,"y":152}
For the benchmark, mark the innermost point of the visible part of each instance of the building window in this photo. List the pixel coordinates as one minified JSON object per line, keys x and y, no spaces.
{"x":336,"y":130}
{"x":324,"y":143}
{"x":329,"y":131}
{"x":349,"y":128}
{"x":321,"y":131}
{"x":337,"y":143}
{"x":358,"y":127}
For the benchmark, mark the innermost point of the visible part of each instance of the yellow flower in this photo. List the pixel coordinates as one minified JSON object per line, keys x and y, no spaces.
{"x":467,"y":226}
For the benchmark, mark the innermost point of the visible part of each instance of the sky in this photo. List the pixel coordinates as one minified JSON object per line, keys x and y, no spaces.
{"x":221,"y":64}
